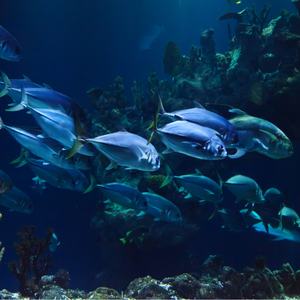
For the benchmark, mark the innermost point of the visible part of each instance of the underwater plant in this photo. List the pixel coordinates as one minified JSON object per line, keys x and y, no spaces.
{"x":29,"y":251}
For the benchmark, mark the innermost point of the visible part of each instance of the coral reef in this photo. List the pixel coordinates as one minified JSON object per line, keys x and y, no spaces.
{"x":217,"y":282}
{"x":30,"y":250}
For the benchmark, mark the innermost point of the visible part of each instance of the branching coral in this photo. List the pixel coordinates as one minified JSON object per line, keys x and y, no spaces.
{"x":29,"y":251}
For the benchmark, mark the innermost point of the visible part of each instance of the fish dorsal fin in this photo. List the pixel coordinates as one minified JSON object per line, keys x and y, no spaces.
{"x":120,"y":128}
{"x":237,"y":111}
{"x":47,"y":86}
{"x":198,"y":172}
{"x":198,"y":105}
{"x":151,"y":191}
{"x":26,"y":78}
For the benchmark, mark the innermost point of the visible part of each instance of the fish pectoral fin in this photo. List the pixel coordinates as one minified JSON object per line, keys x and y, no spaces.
{"x":272,"y":137}
{"x":113,"y":164}
{"x":17,"y":107}
{"x":156,"y":219}
{"x":144,"y":156}
{"x":107,"y":201}
{"x":142,"y":213}
{"x":258,"y":144}
{"x":188,"y":196}
{"x":239,"y":153}
{"x":167,"y":151}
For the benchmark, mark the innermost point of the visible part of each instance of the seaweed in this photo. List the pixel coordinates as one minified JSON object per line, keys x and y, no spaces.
{"x":29,"y":251}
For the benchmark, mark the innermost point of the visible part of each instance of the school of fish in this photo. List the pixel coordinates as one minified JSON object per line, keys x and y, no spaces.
{"x":61,"y":150}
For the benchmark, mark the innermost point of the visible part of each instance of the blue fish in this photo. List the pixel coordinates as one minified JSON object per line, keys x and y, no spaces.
{"x":9,"y":46}
{"x":54,"y":243}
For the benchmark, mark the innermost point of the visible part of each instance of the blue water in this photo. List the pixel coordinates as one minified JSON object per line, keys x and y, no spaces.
{"x":76,"y":45}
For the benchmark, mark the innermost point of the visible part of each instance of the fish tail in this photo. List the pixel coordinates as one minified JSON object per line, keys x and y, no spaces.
{"x":220,"y":180}
{"x":92,"y":185}
{"x":7,"y":83}
{"x":80,"y":142}
{"x":21,"y":159}
{"x":168,"y":178}
{"x":214,"y":212}
{"x":154,"y":128}
{"x":160,"y":111}
{"x":24,"y":101}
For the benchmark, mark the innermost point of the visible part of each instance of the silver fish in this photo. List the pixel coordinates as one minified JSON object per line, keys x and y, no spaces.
{"x":17,"y":200}
{"x":72,"y":180}
{"x":41,"y":97}
{"x":259,"y":135}
{"x":244,"y":188}
{"x":12,"y":87}
{"x":124,"y":195}
{"x":192,"y":140}
{"x":273,"y":195}
{"x":47,"y":149}
{"x":206,"y":118}
{"x":201,"y":187}
{"x":161,"y":208}
{"x":125,"y":149}
{"x":289,"y":218}
{"x":57,"y":125}
{"x":9,"y":46}
{"x":233,"y":219}
{"x":280,"y":233}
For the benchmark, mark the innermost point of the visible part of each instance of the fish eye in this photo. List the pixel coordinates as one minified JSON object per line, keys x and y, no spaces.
{"x":220,"y":148}
{"x":157,"y":159}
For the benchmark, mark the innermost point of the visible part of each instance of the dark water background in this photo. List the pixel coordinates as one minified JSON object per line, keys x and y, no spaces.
{"x":76,"y":45}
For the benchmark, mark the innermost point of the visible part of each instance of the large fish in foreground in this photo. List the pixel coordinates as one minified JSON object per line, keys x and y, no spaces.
{"x":9,"y":46}
{"x":206,"y":118}
{"x":124,"y":149}
{"x":192,"y":140}
{"x":259,"y":135}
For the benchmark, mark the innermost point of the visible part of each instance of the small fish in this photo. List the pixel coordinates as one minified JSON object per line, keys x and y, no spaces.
{"x":72,"y":180}
{"x":124,"y":149}
{"x":250,"y":218}
{"x":161,"y":208}
{"x":273,"y":195}
{"x":54,"y":243}
{"x":244,"y":188}
{"x":124,"y":195}
{"x":268,"y":213}
{"x":192,"y":140}
{"x":9,"y":46}
{"x":197,"y":185}
{"x":289,"y":218}
{"x":135,"y":234}
{"x":233,"y":219}
{"x":234,"y":1}
{"x":201,"y":116}
{"x":280,"y":233}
